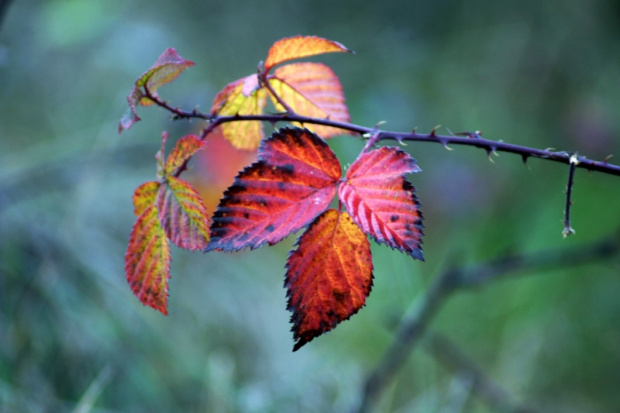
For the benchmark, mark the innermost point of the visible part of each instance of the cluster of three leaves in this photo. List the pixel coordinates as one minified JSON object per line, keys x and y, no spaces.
{"x":167,"y":209}
{"x":329,"y":273}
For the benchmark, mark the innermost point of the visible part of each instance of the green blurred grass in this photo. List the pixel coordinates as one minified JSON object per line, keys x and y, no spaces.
{"x":544,"y":75}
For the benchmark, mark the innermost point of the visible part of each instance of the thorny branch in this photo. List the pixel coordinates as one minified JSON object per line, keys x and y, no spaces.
{"x":414,"y":325}
{"x":465,"y":138}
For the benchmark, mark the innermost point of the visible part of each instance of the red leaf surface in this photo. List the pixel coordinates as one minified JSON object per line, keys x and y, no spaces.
{"x":182,"y":214}
{"x":311,"y":89}
{"x":147,"y":261}
{"x":329,"y":275}
{"x":184,"y":149}
{"x":242,"y":97}
{"x":293,"y":181}
{"x":298,"y":47}
{"x":382,"y":202}
{"x":144,"y":196}
{"x":166,"y":68}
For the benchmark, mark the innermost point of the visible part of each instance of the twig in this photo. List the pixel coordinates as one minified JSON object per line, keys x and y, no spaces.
{"x":483,"y":386}
{"x":568,"y":230}
{"x":414,"y":325}
{"x":489,"y":146}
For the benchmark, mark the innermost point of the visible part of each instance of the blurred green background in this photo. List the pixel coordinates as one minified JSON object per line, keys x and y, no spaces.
{"x":74,"y":338}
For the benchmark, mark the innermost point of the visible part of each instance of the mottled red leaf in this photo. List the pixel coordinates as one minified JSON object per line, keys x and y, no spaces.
{"x":144,"y":196}
{"x":184,"y":149}
{"x":293,"y":181}
{"x":242,"y":97}
{"x":182,"y":214}
{"x":311,"y":89}
{"x":165,"y":69}
{"x":298,"y":47}
{"x":329,"y":275}
{"x":147,"y":261}
{"x":382,"y":202}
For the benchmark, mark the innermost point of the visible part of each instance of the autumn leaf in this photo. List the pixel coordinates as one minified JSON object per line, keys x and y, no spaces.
{"x":182,"y":214}
{"x":311,"y":89}
{"x":184,"y":149}
{"x":242,"y":97}
{"x":147,"y":261}
{"x":293,"y":181}
{"x":144,"y":196}
{"x":298,"y":47}
{"x":328,"y":277}
{"x":166,"y":68}
{"x":382,"y":202}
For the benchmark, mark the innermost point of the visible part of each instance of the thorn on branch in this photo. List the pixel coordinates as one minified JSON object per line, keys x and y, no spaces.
{"x":434,"y":131}
{"x":489,"y":152}
{"x":445,"y":144}
{"x":573,"y":162}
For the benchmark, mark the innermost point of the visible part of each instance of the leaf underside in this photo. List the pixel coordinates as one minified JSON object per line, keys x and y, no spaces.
{"x":293,"y":181}
{"x":382,"y":202}
{"x":328,"y":277}
{"x":313,"y":90}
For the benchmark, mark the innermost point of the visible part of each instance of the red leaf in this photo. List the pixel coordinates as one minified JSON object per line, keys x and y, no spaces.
{"x":147,"y":261}
{"x":182,"y":214}
{"x":382,"y":202}
{"x":184,"y":149}
{"x":329,"y":275}
{"x":298,"y":47}
{"x":311,"y":89}
{"x":144,"y":196}
{"x":242,"y":97}
{"x":293,"y":181}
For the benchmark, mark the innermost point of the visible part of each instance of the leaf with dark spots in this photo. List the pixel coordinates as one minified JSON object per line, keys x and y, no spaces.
{"x":382,"y":202}
{"x":264,"y":204}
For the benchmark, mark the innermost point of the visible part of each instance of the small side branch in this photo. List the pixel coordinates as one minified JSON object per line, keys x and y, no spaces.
{"x":568,"y":230}
{"x":176,"y":112}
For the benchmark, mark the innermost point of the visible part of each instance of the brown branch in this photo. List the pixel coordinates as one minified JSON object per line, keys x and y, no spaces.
{"x":414,"y":325}
{"x":482,"y":385}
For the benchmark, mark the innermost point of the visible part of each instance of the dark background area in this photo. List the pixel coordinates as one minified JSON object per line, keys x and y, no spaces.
{"x":74,"y":338}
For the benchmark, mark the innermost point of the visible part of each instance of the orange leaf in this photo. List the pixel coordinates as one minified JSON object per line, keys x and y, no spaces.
{"x":242,"y":97}
{"x":293,"y":181}
{"x":144,"y":196}
{"x":184,"y":149}
{"x":147,"y":261}
{"x":311,"y":89}
{"x":166,"y":68}
{"x":182,"y":214}
{"x":382,"y":202}
{"x":298,"y":47}
{"x":329,"y":275}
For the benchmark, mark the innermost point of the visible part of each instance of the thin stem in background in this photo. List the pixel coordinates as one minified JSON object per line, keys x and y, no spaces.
{"x":414,"y":325}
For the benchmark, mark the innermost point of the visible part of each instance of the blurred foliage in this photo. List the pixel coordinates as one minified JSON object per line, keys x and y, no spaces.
{"x":74,"y":338}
